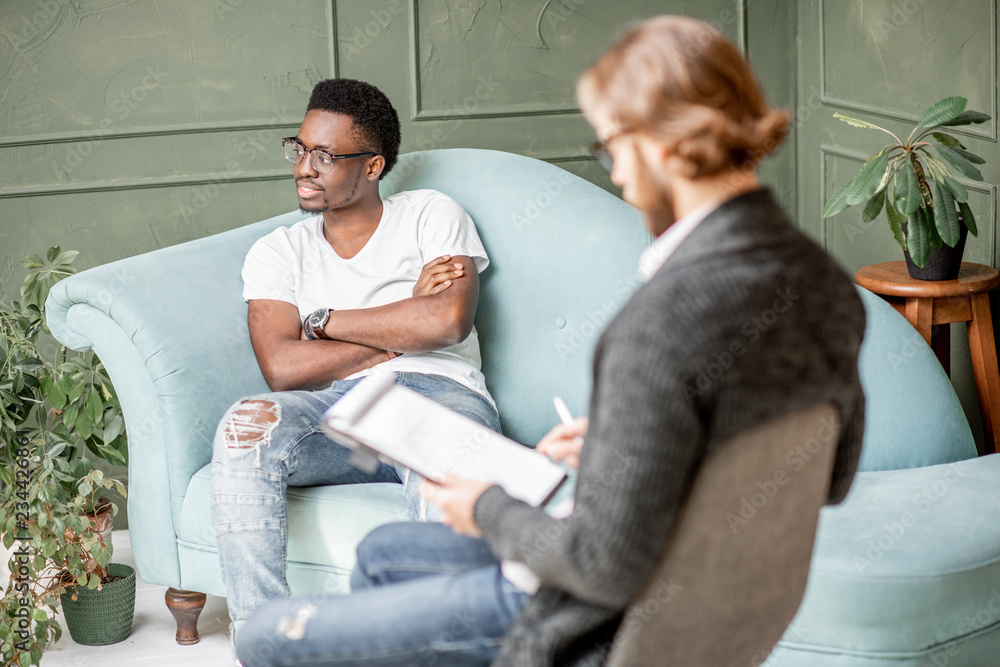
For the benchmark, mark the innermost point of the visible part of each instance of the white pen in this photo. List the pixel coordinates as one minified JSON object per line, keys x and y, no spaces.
{"x":565,"y":416}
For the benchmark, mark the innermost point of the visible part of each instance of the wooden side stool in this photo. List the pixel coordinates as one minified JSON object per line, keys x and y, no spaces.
{"x":927,"y":303}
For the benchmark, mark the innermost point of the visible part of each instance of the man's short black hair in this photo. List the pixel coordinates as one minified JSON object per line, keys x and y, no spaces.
{"x":374,"y":118}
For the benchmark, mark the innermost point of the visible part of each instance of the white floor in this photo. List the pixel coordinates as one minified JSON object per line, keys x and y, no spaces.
{"x":151,"y":643}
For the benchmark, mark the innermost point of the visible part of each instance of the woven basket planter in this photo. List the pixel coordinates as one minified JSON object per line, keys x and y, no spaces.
{"x":101,"y":617}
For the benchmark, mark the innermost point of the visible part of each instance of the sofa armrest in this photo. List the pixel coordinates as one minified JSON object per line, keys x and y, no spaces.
{"x":161,"y":322}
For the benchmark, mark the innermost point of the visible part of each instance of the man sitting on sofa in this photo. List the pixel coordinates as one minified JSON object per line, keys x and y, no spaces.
{"x":330,"y":298}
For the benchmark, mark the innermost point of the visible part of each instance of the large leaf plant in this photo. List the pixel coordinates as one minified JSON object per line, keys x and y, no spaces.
{"x":924,"y":193}
{"x":54,"y":409}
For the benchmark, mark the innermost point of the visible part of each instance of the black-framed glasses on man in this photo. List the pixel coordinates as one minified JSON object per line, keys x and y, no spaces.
{"x":321,"y":160}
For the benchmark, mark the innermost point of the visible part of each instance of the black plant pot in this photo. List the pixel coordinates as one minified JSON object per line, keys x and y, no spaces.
{"x":943,"y":263}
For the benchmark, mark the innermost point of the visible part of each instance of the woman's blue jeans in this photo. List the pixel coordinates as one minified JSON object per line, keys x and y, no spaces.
{"x":421,"y":596}
{"x":268,"y":442}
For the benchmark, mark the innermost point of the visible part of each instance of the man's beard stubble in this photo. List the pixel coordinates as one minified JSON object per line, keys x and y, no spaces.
{"x":653,"y":198}
{"x":325,"y":205}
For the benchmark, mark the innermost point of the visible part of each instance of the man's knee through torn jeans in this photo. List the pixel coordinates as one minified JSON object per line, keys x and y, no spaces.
{"x":268,"y":442}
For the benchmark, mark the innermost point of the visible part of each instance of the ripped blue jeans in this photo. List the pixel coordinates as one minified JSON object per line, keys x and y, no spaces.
{"x":268,"y":442}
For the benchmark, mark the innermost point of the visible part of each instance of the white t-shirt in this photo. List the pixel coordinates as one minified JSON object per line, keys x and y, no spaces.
{"x":298,"y":265}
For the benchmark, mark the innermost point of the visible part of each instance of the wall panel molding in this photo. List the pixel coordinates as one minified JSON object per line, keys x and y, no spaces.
{"x":332,"y":44}
{"x":824,"y":151}
{"x":145,"y":183}
{"x":150,"y":131}
{"x":422,"y":114}
{"x":990,"y":132}
{"x":743,"y":28}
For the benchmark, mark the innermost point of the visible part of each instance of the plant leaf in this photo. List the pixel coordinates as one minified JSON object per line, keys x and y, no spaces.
{"x":967,"y":118}
{"x":32,"y":262}
{"x":28,"y":365}
{"x":967,"y":218}
{"x":971,"y":157}
{"x":955,"y":158}
{"x":947,"y":140}
{"x":939,"y":170}
{"x":70,"y":415}
{"x":77,"y":391}
{"x":112,"y":455}
{"x":859,"y":123}
{"x":66,"y":257}
{"x":112,"y":428}
{"x":932,"y":236}
{"x":945,"y":216}
{"x":907,"y":190}
{"x":95,"y":407}
{"x":942,"y":112}
{"x":958,"y":190}
{"x":916,"y":238}
{"x":52,"y":253}
{"x":838,"y":202}
{"x":84,"y":424}
{"x":865,"y":184}
{"x":56,"y":396}
{"x":873,"y":207}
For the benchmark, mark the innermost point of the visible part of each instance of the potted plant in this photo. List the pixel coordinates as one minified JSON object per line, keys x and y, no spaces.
{"x":926,"y":207}
{"x":62,"y":557}
{"x":54,"y":410}
{"x":97,"y":596}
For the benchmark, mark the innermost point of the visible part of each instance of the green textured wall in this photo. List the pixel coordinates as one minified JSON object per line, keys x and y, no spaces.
{"x":886,"y":62}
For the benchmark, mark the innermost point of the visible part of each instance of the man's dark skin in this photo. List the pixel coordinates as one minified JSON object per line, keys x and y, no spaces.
{"x":440,"y":313}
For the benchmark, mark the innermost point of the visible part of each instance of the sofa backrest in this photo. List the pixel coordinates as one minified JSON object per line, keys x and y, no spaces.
{"x":563,"y":258}
{"x":912,"y":416}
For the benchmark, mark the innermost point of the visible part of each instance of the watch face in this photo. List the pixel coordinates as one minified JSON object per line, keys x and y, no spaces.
{"x":316,"y":320}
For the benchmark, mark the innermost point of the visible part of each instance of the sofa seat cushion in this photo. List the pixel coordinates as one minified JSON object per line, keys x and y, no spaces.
{"x":325,"y":522}
{"x":904,"y":566}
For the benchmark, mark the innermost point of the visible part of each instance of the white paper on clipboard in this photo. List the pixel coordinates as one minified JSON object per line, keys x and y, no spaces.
{"x":377,"y":417}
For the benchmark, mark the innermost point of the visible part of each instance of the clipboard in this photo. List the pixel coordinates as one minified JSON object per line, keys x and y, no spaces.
{"x":381,"y":420}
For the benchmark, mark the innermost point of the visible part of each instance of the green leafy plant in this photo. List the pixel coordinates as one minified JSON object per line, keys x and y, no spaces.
{"x":925,"y":194}
{"x":53,"y":409}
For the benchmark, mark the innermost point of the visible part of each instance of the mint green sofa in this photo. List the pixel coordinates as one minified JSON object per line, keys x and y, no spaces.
{"x":171,"y":328}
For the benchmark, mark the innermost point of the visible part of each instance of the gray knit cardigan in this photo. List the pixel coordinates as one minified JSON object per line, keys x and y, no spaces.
{"x":747,"y":321}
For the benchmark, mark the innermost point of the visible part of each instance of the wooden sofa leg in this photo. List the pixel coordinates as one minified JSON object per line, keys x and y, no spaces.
{"x":185,"y":606}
